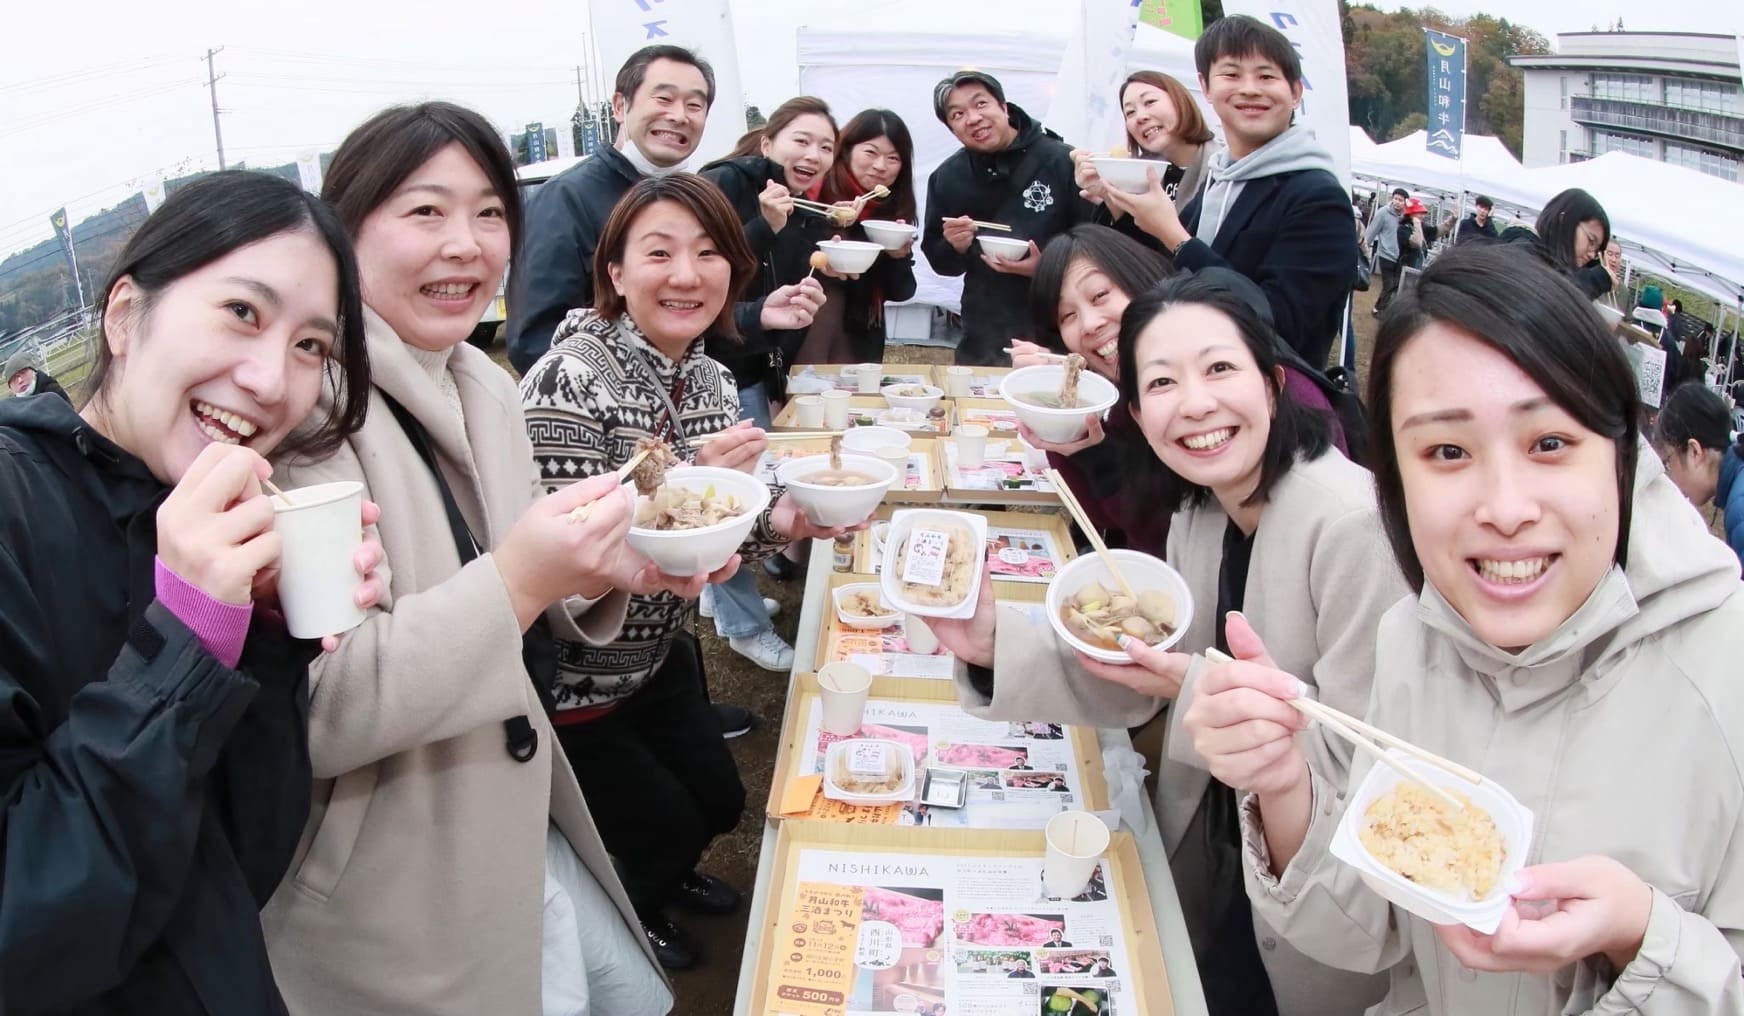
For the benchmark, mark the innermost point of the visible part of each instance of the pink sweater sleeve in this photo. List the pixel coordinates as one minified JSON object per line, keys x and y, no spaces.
{"x":221,"y":627}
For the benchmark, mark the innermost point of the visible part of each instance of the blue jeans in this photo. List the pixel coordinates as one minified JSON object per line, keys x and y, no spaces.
{"x":737,"y":603}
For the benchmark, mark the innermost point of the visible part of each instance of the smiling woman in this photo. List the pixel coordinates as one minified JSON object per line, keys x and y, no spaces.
{"x":427,"y":729}
{"x":1547,"y":631}
{"x":154,"y":721}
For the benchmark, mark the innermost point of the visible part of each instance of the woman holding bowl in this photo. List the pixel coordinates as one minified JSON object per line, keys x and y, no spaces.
{"x":446,"y":830}
{"x":632,"y":715}
{"x":1267,"y":519}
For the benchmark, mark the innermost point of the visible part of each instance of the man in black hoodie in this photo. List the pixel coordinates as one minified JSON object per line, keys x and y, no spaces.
{"x":1010,"y":170}
{"x":661,"y":100}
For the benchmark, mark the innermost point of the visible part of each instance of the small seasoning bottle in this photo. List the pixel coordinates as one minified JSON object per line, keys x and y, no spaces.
{"x":844,"y":553}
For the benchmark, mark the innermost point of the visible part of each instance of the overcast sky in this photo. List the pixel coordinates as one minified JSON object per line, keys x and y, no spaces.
{"x":96,"y":97}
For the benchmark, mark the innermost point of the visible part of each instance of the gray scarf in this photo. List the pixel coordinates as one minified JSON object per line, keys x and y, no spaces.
{"x":1290,"y":152}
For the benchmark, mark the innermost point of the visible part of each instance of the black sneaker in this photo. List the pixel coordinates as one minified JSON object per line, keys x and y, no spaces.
{"x":672,"y":947}
{"x":706,"y":894}
{"x":736,"y":721}
{"x":779,"y":568}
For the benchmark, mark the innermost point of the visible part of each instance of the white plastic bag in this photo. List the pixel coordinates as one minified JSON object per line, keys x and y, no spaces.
{"x":1125,"y":772}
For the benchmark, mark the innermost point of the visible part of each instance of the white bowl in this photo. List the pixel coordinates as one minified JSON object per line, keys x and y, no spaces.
{"x":1003,"y":247}
{"x":870,"y":439}
{"x":700,"y":551}
{"x":850,"y":257}
{"x":1128,"y":174}
{"x":923,"y":403}
{"x":1057,"y":426}
{"x":889,"y":617}
{"x":837,"y":506}
{"x":1142,"y":570}
{"x":905,"y":419}
{"x":903,"y":754}
{"x":1513,"y":820}
{"x":887,"y":234}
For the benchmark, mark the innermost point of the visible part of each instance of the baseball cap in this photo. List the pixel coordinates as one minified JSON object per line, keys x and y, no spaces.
{"x":967,"y":76}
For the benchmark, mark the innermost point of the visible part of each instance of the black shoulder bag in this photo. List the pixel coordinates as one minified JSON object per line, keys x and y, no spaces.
{"x":538,"y":648}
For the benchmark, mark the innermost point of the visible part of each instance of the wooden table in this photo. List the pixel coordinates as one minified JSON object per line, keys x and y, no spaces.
{"x":1188,"y":996}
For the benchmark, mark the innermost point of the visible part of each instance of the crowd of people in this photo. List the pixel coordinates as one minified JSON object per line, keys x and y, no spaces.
{"x":496,"y":792}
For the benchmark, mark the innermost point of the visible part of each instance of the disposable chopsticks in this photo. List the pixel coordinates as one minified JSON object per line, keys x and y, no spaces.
{"x":1359,"y":733}
{"x":1070,"y":500}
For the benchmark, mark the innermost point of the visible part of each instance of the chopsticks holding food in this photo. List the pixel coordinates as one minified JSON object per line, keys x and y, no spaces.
{"x":1070,"y":500}
{"x":990,"y":225}
{"x":1359,"y":733}
{"x":1044,"y":357}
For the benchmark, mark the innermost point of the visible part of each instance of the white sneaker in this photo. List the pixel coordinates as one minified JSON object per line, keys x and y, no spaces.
{"x":705,"y":605}
{"x":766,"y":649}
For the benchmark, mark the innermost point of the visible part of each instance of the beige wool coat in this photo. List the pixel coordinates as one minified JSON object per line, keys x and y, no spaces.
{"x":1319,"y":579}
{"x":419,"y":884}
{"x":1622,"y":731}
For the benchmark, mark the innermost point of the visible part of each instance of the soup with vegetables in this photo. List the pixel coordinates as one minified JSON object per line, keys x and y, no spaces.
{"x":1099,"y":616}
{"x":673,"y":508}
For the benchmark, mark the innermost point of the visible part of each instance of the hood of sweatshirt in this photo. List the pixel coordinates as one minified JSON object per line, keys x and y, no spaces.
{"x":1290,"y":152}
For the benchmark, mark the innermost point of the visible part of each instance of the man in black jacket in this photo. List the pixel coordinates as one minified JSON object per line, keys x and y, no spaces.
{"x":24,"y":378}
{"x":1273,"y":208}
{"x":1010,"y":170}
{"x":1480,"y":224}
{"x":661,"y":100}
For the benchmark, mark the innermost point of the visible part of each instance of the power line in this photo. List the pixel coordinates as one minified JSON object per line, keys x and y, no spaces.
{"x":115,"y":100}
{"x":51,"y":81}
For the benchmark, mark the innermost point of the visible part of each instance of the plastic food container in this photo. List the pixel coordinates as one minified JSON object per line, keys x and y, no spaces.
{"x":889,"y":235}
{"x":1057,"y":426}
{"x":1128,"y":174}
{"x":699,"y":551}
{"x":872,"y":758}
{"x":837,"y":506}
{"x":1143,"y":571}
{"x":905,"y":419}
{"x":884,"y":619}
{"x":929,"y":569}
{"x":1513,"y":820}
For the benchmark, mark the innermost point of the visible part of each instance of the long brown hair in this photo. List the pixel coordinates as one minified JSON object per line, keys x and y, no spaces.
{"x":751,"y":143}
{"x":1190,"y":124}
{"x":713,"y":212}
{"x":869,"y":125}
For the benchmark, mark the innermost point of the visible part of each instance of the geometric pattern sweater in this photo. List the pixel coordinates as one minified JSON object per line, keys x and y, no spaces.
{"x":587,"y":402}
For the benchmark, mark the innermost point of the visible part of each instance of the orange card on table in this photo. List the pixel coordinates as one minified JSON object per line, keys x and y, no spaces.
{"x":797,"y":798}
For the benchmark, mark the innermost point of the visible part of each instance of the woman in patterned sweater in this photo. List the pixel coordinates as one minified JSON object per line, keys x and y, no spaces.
{"x":670,"y":261}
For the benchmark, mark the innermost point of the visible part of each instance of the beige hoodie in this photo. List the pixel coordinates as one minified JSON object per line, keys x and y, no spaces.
{"x":1622,"y":731}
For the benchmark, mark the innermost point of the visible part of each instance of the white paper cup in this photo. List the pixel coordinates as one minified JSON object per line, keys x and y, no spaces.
{"x":321,"y":529}
{"x":1076,"y":842}
{"x":897,"y":456}
{"x":842,"y":687}
{"x":971,"y":445}
{"x":920,"y":638}
{"x":808,"y":411}
{"x":835,"y":409}
{"x":869,"y":377}
{"x":957,"y":381}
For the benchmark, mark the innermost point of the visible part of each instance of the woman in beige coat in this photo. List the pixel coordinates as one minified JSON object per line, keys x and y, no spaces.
{"x":1271,"y":521}
{"x":1576,"y":638}
{"x":422,"y":883}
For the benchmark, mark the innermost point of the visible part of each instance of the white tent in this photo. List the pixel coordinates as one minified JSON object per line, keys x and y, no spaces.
{"x":1483,"y":162}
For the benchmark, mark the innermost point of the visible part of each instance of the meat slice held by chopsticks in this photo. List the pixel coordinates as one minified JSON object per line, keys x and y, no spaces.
{"x":1069,"y":385}
{"x":651,"y":471}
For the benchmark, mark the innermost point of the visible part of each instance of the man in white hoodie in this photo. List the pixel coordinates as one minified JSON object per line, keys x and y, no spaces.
{"x":1273,"y":208}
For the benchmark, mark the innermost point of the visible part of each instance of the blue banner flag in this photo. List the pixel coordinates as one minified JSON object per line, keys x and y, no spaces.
{"x":1446,"y":59}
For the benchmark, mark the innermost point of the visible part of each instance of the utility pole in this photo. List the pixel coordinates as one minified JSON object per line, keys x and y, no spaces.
{"x":580,"y":96}
{"x":212,"y":86}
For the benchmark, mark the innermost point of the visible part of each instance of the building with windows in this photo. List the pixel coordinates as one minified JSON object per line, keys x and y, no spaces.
{"x":1669,"y":96}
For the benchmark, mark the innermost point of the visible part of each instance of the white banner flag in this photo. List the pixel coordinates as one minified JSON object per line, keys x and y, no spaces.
{"x":309,"y":171}
{"x":1312,"y":26}
{"x":566,"y":140}
{"x":1086,"y":107}
{"x":621,"y":27}
{"x":153,"y":192}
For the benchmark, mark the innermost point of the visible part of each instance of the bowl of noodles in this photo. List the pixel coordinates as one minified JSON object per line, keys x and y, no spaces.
{"x":1446,"y":865}
{"x":839,"y":489}
{"x":697,"y":517}
{"x":1056,"y":401}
